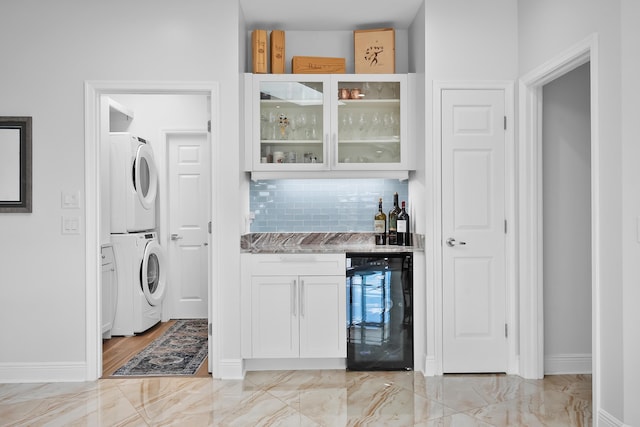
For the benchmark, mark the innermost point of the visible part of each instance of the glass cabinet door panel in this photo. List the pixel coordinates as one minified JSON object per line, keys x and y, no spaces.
{"x":291,"y":123}
{"x":369,"y":122}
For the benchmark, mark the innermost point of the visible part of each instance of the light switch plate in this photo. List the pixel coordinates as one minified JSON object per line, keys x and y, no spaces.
{"x":71,"y":199}
{"x":70,"y":225}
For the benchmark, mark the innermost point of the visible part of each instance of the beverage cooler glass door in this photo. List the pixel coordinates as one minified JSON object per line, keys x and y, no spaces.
{"x":380,"y":311}
{"x":292,"y":124}
{"x":369,"y":123}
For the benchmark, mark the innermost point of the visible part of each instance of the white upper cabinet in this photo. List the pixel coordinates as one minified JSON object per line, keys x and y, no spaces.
{"x":337,"y":125}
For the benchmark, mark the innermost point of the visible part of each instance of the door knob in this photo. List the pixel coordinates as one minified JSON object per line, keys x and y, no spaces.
{"x":451,"y":242}
{"x":176,"y":237}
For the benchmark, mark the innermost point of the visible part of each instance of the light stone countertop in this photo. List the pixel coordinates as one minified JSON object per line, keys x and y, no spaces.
{"x":268,"y":243}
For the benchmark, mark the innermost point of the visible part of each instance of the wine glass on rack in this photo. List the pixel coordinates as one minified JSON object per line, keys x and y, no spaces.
{"x":363,"y":122}
{"x":376,"y":124}
{"x":347,"y":125}
{"x":366,"y":89}
{"x":273,"y":125}
{"x":387,"y":124}
{"x":301,"y":124}
{"x":395,"y":125}
{"x":379,"y":87}
{"x":313,"y":123}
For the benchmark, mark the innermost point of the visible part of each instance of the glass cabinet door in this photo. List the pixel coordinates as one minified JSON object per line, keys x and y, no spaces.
{"x":369,"y":123}
{"x":292,"y":121}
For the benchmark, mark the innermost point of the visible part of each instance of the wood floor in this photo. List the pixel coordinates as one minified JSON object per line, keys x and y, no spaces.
{"x":118,"y":350}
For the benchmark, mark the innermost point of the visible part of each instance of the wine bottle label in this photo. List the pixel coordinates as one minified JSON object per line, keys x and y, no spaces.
{"x":402,"y":226}
{"x":378,"y":226}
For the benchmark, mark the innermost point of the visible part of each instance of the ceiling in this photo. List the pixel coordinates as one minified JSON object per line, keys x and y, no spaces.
{"x":329,"y":15}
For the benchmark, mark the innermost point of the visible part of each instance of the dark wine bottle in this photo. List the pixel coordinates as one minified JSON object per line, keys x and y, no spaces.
{"x":380,"y":225}
{"x":404,"y":231}
{"x":392,"y":239}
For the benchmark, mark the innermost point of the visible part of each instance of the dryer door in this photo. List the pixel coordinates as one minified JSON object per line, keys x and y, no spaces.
{"x":153,"y":273}
{"x":145,"y":176}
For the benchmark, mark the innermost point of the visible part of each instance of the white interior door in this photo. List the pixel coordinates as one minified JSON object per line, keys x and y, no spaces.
{"x":189,"y":189}
{"x":473,"y":231}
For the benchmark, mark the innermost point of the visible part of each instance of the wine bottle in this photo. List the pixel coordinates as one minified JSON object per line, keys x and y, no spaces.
{"x":404,"y":232}
{"x":380,"y":225}
{"x":392,"y":239}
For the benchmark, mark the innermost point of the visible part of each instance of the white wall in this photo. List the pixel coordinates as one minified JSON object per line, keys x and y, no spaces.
{"x":547,"y":28}
{"x":631,"y":209}
{"x":465,"y":41}
{"x":417,"y":184}
{"x":54,"y":50}
{"x":566,"y":176}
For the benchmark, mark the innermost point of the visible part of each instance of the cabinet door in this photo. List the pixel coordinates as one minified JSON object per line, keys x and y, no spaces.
{"x":274,"y":316}
{"x":291,"y":123}
{"x":369,"y":131}
{"x":109,"y":295}
{"x":323,"y":316}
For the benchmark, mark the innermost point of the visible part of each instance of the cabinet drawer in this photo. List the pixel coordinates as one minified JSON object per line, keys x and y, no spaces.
{"x":296,"y":264}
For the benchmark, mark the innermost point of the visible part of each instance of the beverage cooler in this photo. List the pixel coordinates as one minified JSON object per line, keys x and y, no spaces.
{"x":379,"y":311}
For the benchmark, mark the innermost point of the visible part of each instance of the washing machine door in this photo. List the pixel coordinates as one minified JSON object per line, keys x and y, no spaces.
{"x":153,"y":273}
{"x":145,"y":176}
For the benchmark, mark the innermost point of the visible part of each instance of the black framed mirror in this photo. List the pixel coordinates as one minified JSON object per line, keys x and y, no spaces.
{"x":15,"y":164}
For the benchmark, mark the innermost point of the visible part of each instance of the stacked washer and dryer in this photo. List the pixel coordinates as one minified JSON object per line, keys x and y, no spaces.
{"x":140,"y":261}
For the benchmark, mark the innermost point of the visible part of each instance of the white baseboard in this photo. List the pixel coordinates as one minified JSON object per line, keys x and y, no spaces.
{"x":558,"y":364}
{"x":431,"y":367}
{"x":43,"y":372}
{"x":605,"y":419}
{"x":294,"y":364}
{"x":230,"y":369}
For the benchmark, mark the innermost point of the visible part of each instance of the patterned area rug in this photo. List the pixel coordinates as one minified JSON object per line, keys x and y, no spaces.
{"x":179,"y":351}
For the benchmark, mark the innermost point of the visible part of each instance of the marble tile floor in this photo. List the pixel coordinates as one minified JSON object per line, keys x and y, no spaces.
{"x":304,"y":398}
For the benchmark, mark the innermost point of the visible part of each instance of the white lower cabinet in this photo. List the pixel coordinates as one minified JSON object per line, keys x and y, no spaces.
{"x":296,"y":315}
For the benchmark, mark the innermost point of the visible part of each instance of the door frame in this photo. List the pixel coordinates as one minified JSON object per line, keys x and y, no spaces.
{"x":93,"y":90}
{"x":530,"y":208}
{"x":434,"y":366}
{"x":165,"y":197}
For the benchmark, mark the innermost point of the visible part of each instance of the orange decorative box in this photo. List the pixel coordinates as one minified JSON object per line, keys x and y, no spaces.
{"x":277,"y":52}
{"x":317,"y":65}
{"x":375,"y":51}
{"x":259,"y":51}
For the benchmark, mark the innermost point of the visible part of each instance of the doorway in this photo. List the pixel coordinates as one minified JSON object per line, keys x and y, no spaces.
{"x":95,"y":114}
{"x":530,"y":208}
{"x":181,"y":168}
{"x":566,"y":218}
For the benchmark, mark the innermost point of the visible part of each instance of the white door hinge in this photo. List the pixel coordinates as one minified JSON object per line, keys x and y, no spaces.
{"x":505,"y":122}
{"x":506,"y":330}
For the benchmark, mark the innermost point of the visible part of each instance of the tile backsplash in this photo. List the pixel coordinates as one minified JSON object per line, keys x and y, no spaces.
{"x":325,"y":205}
